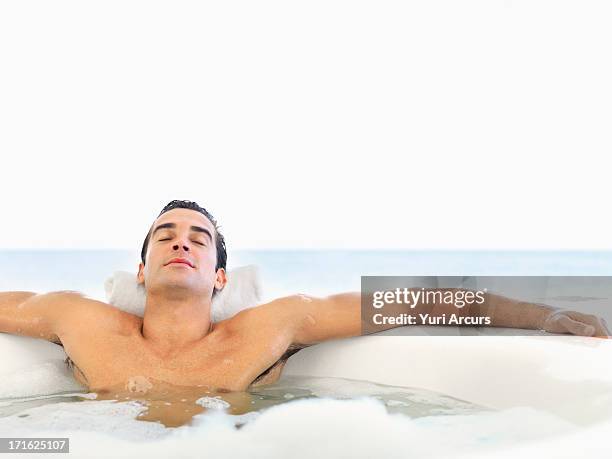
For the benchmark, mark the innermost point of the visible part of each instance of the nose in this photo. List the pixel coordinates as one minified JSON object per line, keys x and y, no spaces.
{"x":185,"y":247}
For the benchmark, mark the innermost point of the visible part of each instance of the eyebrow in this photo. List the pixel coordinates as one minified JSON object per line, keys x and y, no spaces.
{"x":197,"y":229}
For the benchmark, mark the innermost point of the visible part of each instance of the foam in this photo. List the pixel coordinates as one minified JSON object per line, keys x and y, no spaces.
{"x":321,"y":427}
{"x":213,"y":403}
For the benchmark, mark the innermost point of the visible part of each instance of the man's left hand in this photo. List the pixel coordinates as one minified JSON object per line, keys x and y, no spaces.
{"x":576,"y":323}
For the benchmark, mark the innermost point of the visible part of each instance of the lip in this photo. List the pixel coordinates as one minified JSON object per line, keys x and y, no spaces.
{"x":184,"y":261}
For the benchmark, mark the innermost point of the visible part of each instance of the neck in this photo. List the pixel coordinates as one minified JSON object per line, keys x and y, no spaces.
{"x":172,"y":323}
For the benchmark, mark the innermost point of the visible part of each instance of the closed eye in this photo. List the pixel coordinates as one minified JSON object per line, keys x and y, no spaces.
{"x":167,"y":239}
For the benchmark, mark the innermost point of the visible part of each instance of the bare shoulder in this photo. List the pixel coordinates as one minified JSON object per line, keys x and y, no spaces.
{"x":74,"y":309}
{"x":286,"y":312}
{"x":265,"y":336}
{"x":309,"y":319}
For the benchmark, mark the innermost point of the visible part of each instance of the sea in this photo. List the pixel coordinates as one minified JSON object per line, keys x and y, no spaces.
{"x":283,"y":272}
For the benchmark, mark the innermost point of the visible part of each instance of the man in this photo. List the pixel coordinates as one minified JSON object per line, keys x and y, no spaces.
{"x":183,"y":265}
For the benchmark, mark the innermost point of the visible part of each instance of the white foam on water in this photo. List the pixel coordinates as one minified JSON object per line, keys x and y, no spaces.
{"x":339,"y":388}
{"x":301,"y":428}
{"x":214,"y":403}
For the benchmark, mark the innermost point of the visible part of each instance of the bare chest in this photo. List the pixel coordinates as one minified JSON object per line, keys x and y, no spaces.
{"x":125,"y":362}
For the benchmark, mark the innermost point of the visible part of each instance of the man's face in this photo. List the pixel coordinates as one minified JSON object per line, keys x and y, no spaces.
{"x":182,"y":254}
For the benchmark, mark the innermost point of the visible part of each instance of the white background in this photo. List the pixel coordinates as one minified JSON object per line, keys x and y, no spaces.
{"x":430,"y":124}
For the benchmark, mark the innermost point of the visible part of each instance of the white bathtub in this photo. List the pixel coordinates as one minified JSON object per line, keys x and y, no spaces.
{"x":568,"y":377}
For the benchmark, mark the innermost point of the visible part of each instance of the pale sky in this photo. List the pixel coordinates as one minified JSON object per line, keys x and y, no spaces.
{"x":320,"y":124}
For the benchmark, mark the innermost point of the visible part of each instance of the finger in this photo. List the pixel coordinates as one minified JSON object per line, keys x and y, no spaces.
{"x":576,"y":328}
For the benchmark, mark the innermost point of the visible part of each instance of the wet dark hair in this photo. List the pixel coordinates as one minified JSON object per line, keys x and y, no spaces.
{"x":219,"y":239}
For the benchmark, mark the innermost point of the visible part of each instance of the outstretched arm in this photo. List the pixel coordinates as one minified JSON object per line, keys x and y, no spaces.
{"x":339,"y":316}
{"x":37,"y":315}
